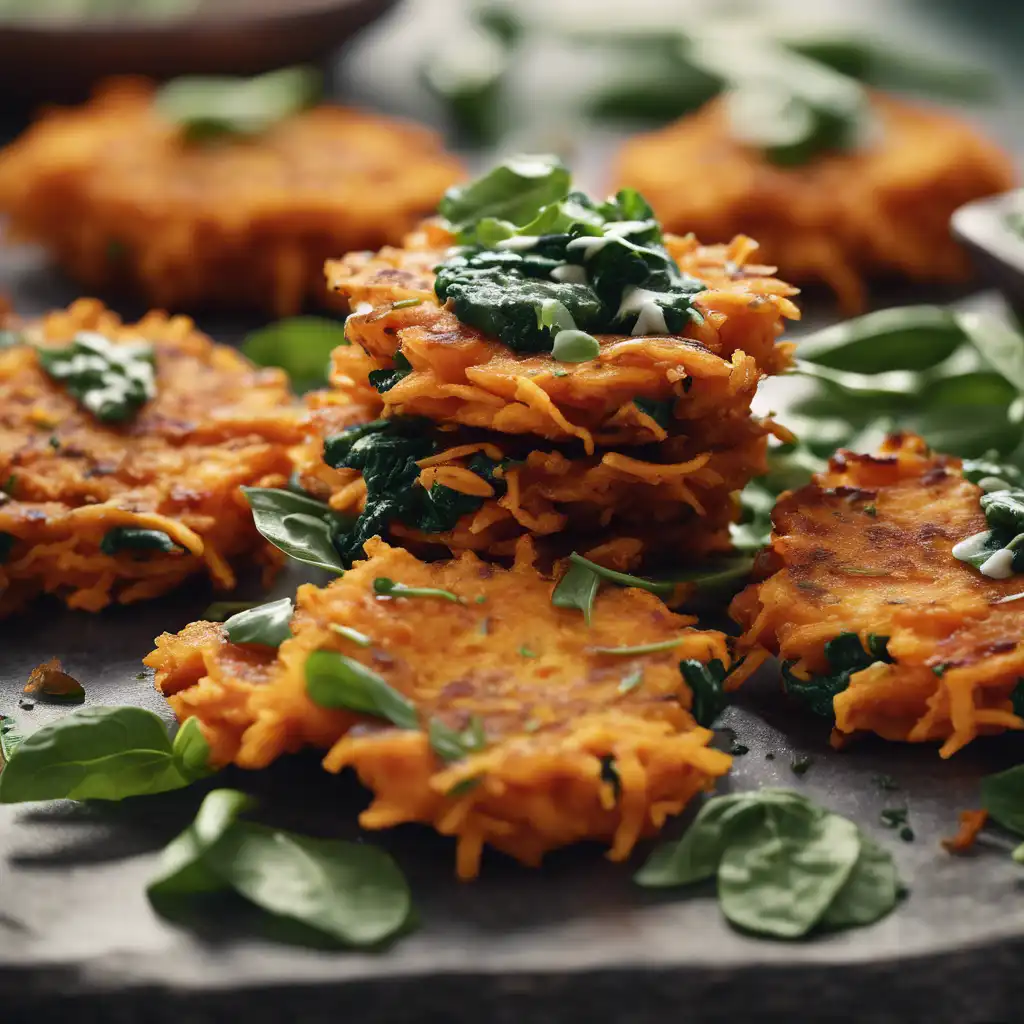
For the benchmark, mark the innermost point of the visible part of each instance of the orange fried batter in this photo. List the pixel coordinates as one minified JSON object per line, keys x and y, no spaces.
{"x":120,"y":199}
{"x":557,"y":713}
{"x":460,"y":376}
{"x":215,"y":424}
{"x":881,"y":211}
{"x":866,"y":549}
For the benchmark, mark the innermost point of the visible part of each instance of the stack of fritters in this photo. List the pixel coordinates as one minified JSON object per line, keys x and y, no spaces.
{"x":95,"y":509}
{"x":876,"y":621}
{"x":633,"y":456}
{"x":519,"y":724}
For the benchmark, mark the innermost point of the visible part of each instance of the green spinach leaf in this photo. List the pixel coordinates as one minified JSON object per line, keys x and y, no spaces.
{"x":303,"y":528}
{"x":299,"y":345}
{"x":385,"y":380}
{"x":707,"y":684}
{"x":102,"y":753}
{"x":129,"y":538}
{"x":846,"y":655}
{"x":268,"y":624}
{"x":453,"y":744}
{"x":111,"y":381}
{"x":577,"y":589}
{"x":205,"y":107}
{"x":336,"y":681}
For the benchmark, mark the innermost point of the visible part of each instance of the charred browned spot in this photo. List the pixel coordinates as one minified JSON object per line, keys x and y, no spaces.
{"x":1000,"y":647}
{"x":934,"y":476}
{"x":932,"y":531}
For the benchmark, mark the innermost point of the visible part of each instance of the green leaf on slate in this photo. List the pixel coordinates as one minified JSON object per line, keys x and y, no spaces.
{"x":267,"y":624}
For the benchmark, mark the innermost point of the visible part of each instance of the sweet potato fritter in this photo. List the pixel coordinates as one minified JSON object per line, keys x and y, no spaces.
{"x":866,"y":549}
{"x":881,"y":211}
{"x":460,"y":376}
{"x":627,"y":510}
{"x":122,"y":200}
{"x":578,"y":744}
{"x":67,"y":479}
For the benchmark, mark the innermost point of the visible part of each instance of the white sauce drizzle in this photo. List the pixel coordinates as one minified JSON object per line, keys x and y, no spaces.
{"x":569,"y":273}
{"x":998,"y":566}
{"x":651,"y":319}
{"x":518,"y":242}
{"x":971,"y":546}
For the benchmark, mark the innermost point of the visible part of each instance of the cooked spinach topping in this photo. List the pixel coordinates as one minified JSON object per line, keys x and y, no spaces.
{"x":659,"y":411}
{"x":350,"y":893}
{"x":111,"y":381}
{"x":545,"y":267}
{"x":453,"y":744}
{"x":130,"y":538}
{"x":385,"y":380}
{"x":299,"y":345}
{"x":384,"y":587}
{"x":336,"y":681}
{"x":707,"y":684}
{"x":999,"y":551}
{"x":386,"y":452}
{"x":784,"y":865}
{"x":268,"y":624}
{"x":215,"y":106}
{"x":846,"y":655}
{"x":104,"y":753}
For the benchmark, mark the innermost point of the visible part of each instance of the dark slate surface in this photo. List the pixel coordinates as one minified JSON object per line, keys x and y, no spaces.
{"x":573,"y":942}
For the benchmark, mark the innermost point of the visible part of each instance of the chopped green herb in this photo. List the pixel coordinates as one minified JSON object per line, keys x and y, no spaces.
{"x":631,"y":681}
{"x":801,"y":765}
{"x":359,"y":639}
{"x":111,"y":381}
{"x":577,"y":589}
{"x":336,"y":681}
{"x":891,"y":817}
{"x":54,"y":442}
{"x":527,"y":652}
{"x":465,"y":786}
{"x":385,"y":380}
{"x":940,"y":669}
{"x":739,"y":749}
{"x":406,"y":303}
{"x":559,"y":372}
{"x":128,"y":538}
{"x":454,"y":745}
{"x":384,"y":587}
{"x":637,"y":649}
{"x":846,"y":655}
{"x":870,"y":510}
{"x":480,"y":599}
{"x":623,"y":579}
{"x":140,"y":675}
{"x":907,"y":834}
{"x":707,"y":684}
{"x":532,"y":725}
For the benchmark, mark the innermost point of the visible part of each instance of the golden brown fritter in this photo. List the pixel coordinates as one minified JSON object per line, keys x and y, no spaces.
{"x":215,"y":424}
{"x":460,"y":376}
{"x":866,"y":549}
{"x":840,"y":219}
{"x":627,"y":510}
{"x":576,"y":743}
{"x":121,"y":200}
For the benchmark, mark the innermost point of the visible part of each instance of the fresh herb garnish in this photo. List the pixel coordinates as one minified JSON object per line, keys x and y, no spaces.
{"x":577,"y":589}
{"x":526,"y":651}
{"x":299,"y":345}
{"x":350,"y":892}
{"x":206,"y":107}
{"x":111,"y":381}
{"x":785,"y":866}
{"x":336,"y":681}
{"x":631,"y":681}
{"x":623,"y":579}
{"x":554,"y":268}
{"x":129,"y":538}
{"x":104,"y":753}
{"x":637,"y":649}
{"x":454,"y":745}
{"x":359,"y":639}
{"x":267,"y":624}
{"x":385,"y":380}
{"x":384,"y":587}
{"x":303,"y":528}
{"x":707,"y":684}
{"x":1002,"y":795}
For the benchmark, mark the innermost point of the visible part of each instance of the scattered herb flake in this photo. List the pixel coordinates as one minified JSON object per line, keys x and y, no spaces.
{"x":384,"y":587}
{"x":801,"y":765}
{"x":631,"y":681}
{"x":527,"y":652}
{"x":359,"y":639}
{"x":638,"y":649}
{"x":738,"y":749}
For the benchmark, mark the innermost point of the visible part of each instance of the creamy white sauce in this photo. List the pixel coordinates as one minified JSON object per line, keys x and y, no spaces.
{"x":971,"y":546}
{"x":651,"y":319}
{"x":998,"y":566}
{"x":569,"y":274}
{"x":518,"y":242}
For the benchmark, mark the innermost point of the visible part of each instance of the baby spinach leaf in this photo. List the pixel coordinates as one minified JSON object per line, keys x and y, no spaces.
{"x":707,"y":684}
{"x":303,"y":528}
{"x":183,"y":869}
{"x":268,"y":624}
{"x":299,"y":345}
{"x":384,"y":587}
{"x":577,"y":589}
{"x":452,"y":744}
{"x":785,"y":865}
{"x":99,"y":753}
{"x":623,"y":579}
{"x":204,"y":107}
{"x":1000,"y":345}
{"x":385,"y":380}
{"x":130,"y":538}
{"x":350,"y":892}
{"x":336,"y":681}
{"x":513,"y":191}
{"x":1002,"y":795}
{"x":111,"y":381}
{"x":191,"y":750}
